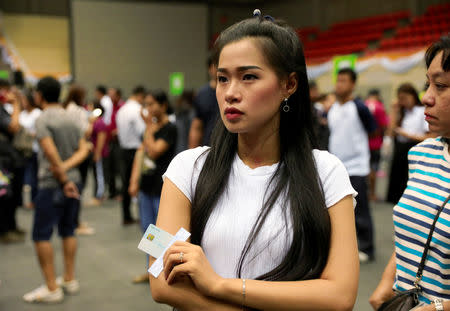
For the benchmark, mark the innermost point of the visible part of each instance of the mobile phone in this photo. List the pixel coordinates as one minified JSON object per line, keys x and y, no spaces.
{"x":97,"y":112}
{"x":144,"y":112}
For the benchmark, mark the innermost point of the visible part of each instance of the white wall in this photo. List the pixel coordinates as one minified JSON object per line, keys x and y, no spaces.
{"x":125,"y":44}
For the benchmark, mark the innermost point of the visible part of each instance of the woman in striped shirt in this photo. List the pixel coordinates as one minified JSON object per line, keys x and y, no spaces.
{"x":428,"y":187}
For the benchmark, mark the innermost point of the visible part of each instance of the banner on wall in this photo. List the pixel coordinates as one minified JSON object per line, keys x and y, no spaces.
{"x":398,"y":65}
{"x":176,"y":83}
{"x":343,"y":61}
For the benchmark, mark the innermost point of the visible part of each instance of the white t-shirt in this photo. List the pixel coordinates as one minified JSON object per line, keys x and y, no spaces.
{"x":108,"y":106}
{"x":28,"y":121}
{"x":348,"y":138}
{"x":236,"y":211}
{"x":130,"y":126}
{"x":414,"y":123}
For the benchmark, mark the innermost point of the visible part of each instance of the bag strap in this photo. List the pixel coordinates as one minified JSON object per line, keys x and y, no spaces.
{"x":427,"y":246}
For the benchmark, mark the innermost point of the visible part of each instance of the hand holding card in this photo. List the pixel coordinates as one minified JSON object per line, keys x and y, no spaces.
{"x":156,"y":241}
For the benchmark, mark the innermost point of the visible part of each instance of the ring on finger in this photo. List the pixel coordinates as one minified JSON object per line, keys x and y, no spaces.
{"x":181,"y":257}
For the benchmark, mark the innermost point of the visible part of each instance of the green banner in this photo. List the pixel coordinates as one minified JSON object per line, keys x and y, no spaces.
{"x":4,"y":74}
{"x":176,"y":83}
{"x":343,"y":61}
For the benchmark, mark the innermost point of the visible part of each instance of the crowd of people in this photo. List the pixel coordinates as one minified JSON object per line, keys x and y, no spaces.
{"x":235,"y":164}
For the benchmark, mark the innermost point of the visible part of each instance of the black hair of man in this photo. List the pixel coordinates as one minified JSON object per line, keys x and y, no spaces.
{"x":374,"y":92}
{"x":139,"y":90}
{"x":350,"y":72}
{"x":49,"y":88}
{"x":98,"y":105}
{"x":4,"y":83}
{"x":18,"y":78}
{"x":101,"y":89}
{"x":312,"y":84}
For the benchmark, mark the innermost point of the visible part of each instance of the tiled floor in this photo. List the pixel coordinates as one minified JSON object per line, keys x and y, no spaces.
{"x":108,"y":260}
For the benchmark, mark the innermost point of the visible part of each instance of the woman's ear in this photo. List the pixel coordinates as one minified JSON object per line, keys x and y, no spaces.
{"x":291,"y":84}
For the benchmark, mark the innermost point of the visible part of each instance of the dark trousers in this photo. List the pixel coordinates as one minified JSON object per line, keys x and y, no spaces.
{"x":7,"y":214}
{"x":363,"y":218}
{"x":112,"y":168}
{"x":398,"y":176}
{"x":9,"y":204}
{"x":83,"y":168}
{"x":127,"y":158}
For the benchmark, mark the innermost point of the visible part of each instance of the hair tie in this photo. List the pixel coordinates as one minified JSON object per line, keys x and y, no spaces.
{"x":256,"y":12}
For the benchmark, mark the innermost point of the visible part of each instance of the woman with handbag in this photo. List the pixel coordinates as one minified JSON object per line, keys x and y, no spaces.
{"x":418,"y":273}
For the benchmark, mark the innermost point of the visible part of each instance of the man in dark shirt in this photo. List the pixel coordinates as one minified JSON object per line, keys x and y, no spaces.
{"x":9,"y":168}
{"x":206,"y":111}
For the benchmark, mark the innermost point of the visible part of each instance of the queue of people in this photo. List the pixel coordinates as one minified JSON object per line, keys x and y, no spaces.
{"x":278,"y":218}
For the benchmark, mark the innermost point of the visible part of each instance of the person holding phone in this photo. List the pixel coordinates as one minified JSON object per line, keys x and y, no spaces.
{"x":152,"y":159}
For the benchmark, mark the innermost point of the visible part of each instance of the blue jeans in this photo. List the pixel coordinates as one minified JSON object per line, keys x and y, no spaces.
{"x":148,"y":211}
{"x":30,"y":175}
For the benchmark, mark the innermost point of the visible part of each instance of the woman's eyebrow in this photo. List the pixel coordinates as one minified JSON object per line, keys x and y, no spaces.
{"x":240,"y":69}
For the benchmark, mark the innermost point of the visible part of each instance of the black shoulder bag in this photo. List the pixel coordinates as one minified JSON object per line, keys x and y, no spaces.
{"x":406,"y":300}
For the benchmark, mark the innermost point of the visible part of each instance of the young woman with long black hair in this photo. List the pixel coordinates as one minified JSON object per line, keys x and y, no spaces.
{"x":408,"y":128}
{"x":271,"y":218}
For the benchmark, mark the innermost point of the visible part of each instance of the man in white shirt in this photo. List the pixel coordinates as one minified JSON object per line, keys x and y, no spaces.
{"x":350,"y":121}
{"x":130,"y":128}
{"x":106,"y":102}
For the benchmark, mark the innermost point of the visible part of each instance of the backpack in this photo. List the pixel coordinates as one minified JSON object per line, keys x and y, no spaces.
{"x":366,"y":117}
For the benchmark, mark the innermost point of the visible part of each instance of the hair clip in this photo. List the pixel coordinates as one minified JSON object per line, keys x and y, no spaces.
{"x":269,"y":18}
{"x":256,"y":12}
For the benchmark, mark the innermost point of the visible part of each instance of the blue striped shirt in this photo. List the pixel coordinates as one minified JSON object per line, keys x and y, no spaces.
{"x":428,"y":187}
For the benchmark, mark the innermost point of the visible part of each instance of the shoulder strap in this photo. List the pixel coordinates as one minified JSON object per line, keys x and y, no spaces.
{"x":427,"y":245}
{"x":365,"y":116}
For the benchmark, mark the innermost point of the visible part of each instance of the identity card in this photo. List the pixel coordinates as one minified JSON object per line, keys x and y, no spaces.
{"x":156,"y":242}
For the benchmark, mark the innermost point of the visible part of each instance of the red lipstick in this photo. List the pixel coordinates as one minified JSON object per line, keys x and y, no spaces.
{"x":233,"y":113}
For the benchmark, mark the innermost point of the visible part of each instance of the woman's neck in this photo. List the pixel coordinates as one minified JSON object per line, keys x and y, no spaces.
{"x":257,"y":150}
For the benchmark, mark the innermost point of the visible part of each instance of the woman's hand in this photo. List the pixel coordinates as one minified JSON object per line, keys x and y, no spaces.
{"x":133,"y":188}
{"x":381,"y":294}
{"x":184,"y":258}
{"x":401,"y":132}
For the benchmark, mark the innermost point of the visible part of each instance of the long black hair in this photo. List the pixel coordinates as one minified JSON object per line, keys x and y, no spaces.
{"x":296,"y":179}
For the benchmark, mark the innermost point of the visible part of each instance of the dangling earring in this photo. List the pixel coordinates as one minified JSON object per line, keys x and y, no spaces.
{"x":286,"y":107}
